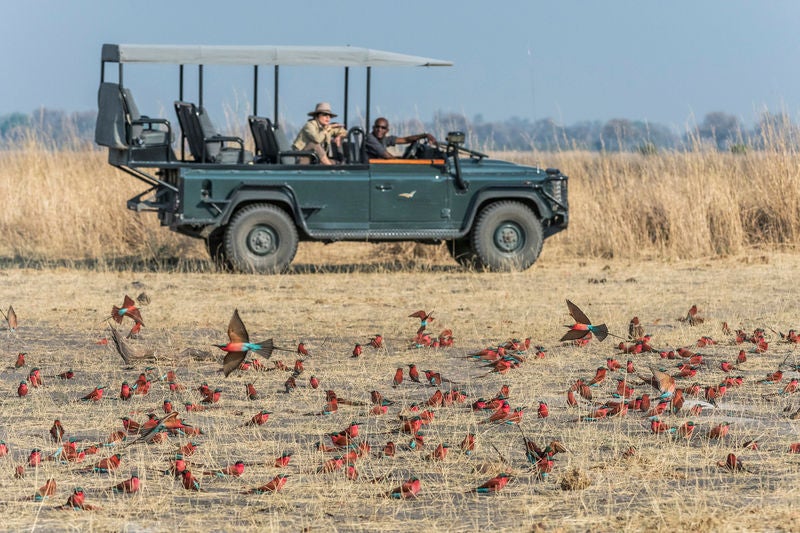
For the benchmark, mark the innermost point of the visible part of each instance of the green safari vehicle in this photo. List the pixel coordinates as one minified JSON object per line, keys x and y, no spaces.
{"x":253,"y":207}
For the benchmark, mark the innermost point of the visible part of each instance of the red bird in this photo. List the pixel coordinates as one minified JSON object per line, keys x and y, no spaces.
{"x":398,"y":377}
{"x":259,"y":419}
{"x":413,"y":373}
{"x":20,"y":360}
{"x":283,"y":460}
{"x":45,"y":491}
{"x":719,"y":431}
{"x":57,"y":431}
{"x":129,"y":486}
{"x":468,"y":444}
{"x":357,"y":350}
{"x":301,"y":349}
{"x":189,"y":481}
{"x":273,"y":485}
{"x":128,"y":309}
{"x":313,"y":382}
{"x":235,"y":470}
{"x":583,"y":326}
{"x":424,"y":319}
{"x":22,"y":390}
{"x":493,"y":485}
{"x":252,"y":393}
{"x":376,"y":341}
{"x":125,"y":392}
{"x":731,"y":463}
{"x":543,"y":411}
{"x":93,"y":396}
{"x":599,"y":376}
{"x":409,"y":489}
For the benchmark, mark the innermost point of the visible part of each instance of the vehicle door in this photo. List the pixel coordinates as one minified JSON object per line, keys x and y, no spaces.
{"x":332,"y":198}
{"x":409,"y":194}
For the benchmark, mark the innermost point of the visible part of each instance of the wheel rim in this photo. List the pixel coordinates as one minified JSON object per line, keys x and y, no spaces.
{"x":262,"y":240}
{"x":509,"y":237}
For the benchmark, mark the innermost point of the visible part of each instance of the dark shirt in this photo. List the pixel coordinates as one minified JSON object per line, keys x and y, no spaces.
{"x":376,"y":148}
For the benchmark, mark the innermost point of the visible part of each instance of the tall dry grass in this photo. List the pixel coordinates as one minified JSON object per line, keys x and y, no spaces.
{"x":69,"y":205}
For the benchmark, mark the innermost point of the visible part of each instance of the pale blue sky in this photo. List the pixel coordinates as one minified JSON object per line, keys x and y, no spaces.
{"x":666,"y":62}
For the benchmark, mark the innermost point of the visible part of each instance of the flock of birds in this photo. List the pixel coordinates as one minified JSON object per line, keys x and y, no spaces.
{"x":656,"y":396}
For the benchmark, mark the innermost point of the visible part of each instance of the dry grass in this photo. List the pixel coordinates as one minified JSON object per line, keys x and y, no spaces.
{"x":671,"y":484}
{"x":68,"y":207}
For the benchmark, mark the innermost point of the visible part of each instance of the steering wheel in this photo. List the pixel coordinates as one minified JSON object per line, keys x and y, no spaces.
{"x":413,"y":149}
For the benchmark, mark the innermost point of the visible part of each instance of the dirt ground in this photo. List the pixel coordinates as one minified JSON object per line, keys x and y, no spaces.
{"x":670,"y":483}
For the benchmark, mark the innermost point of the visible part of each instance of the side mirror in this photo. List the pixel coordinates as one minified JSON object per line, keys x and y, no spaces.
{"x":455,"y":137}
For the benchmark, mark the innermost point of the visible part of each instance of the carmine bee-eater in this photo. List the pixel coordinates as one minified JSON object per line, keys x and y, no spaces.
{"x":22,"y":389}
{"x":128,"y":309}
{"x":20,"y":362}
{"x":413,"y":373}
{"x":93,"y":396}
{"x":35,"y":378}
{"x":283,"y":460}
{"x":663,"y":382}
{"x":719,"y":431}
{"x":105,"y":465}
{"x":56,"y":431}
{"x":583,"y":326}
{"x":252,"y":393}
{"x":3,"y":448}
{"x":240,"y":345}
{"x":376,"y":341}
{"x":189,"y":481}
{"x":45,"y":491}
{"x":599,"y":376}
{"x":357,"y":350}
{"x":635,"y":329}
{"x":313,"y":382}
{"x":424,"y":319}
{"x":543,"y":411}
{"x":731,"y":463}
{"x":76,"y":500}
{"x":129,"y":486}
{"x":125,"y":392}
{"x":274,"y":485}
{"x":259,"y":419}
{"x":235,"y":470}
{"x":493,"y":485}
{"x":398,"y":377}
{"x":409,"y":489}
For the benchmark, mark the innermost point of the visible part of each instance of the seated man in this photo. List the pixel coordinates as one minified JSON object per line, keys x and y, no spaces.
{"x":378,"y":140}
{"x":318,"y":133}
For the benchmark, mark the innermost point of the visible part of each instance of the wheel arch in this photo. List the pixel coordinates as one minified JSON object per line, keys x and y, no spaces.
{"x":280,"y":197}
{"x":489,"y":196}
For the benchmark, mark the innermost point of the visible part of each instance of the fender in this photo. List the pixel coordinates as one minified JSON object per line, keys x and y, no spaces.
{"x":484,"y":196}
{"x":249,"y":193}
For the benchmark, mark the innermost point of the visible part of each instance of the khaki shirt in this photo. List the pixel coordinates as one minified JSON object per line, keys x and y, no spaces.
{"x":313,"y":132}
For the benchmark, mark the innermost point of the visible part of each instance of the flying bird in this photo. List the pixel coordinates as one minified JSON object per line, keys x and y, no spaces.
{"x":583,"y":326}
{"x":240,"y":344}
{"x":11,"y":318}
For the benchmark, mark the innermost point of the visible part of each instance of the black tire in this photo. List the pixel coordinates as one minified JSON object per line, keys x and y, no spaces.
{"x":507,"y":236}
{"x":215,"y":245}
{"x":461,"y":250}
{"x":261,"y":238}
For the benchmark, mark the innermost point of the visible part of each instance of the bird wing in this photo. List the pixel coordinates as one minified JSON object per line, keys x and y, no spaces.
{"x":663,"y":381}
{"x":122,"y":348}
{"x":577,"y":314}
{"x":128,"y":301}
{"x":236,"y":330}
{"x":11,"y":318}
{"x":419,"y":314}
{"x":232,"y":361}
{"x":574,"y":334}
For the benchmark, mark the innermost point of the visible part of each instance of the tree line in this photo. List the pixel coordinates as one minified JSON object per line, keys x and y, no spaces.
{"x":717,"y":130}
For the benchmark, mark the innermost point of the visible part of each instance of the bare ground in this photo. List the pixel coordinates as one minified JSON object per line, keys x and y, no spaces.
{"x":670,"y":484}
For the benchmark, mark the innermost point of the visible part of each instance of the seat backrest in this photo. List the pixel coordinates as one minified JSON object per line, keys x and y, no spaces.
{"x":356,"y":147}
{"x":264,"y":138}
{"x":189,"y":119}
{"x":109,"y":130}
{"x":135,"y":130}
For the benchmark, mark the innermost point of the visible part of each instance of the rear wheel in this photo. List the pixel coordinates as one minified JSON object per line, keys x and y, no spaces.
{"x":507,"y":236}
{"x":261,"y":238}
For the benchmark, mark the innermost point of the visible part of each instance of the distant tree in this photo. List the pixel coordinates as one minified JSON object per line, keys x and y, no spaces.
{"x":721,"y":129}
{"x":13,"y":124}
{"x":775,"y":130}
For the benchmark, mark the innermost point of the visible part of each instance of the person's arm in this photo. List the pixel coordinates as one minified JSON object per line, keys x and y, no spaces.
{"x":418,"y":137}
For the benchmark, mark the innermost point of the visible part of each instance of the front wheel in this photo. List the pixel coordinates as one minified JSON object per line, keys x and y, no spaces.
{"x":507,"y":236}
{"x":261,"y":238}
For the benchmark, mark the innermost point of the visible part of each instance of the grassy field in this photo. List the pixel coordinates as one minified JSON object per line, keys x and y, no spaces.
{"x":649,"y":236}
{"x":671,"y":483}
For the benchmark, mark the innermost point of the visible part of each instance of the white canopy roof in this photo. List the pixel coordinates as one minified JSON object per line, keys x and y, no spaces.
{"x":328,"y":56}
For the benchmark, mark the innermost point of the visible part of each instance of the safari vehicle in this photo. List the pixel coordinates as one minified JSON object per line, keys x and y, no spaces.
{"x":252,"y":209}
